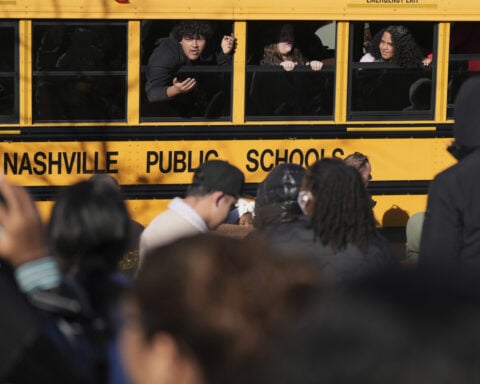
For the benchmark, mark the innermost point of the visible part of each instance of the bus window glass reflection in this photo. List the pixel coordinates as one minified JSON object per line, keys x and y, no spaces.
{"x":391,"y":70}
{"x":464,"y":57}
{"x":79,"y":71}
{"x":186,"y":70}
{"x":289,"y":71}
{"x":8,"y":78}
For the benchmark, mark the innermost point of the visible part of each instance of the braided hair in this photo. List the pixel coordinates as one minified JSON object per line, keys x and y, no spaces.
{"x":341,"y":213}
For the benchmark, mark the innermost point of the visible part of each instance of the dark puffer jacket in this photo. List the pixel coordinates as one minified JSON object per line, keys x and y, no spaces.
{"x":451,"y":234}
{"x":276,"y":200}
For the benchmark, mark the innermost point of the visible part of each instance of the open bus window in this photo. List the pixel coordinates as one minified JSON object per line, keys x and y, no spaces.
{"x":391,"y":70}
{"x":186,"y":70}
{"x":79,"y":71}
{"x":464,"y":59}
{"x":290,"y":70}
{"x":8,"y":73}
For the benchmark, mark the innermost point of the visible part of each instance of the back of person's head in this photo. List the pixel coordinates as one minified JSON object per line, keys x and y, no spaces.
{"x":356,"y":159}
{"x":192,"y":29}
{"x":221,"y":299}
{"x":217,"y":176}
{"x":89,"y":227}
{"x":467,"y":114}
{"x":401,"y":329}
{"x":413,"y":232}
{"x":105,"y":178}
{"x":276,"y":200}
{"x":341,"y":211}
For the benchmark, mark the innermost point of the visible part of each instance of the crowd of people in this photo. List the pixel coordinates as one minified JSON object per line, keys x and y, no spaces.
{"x":311,"y":293}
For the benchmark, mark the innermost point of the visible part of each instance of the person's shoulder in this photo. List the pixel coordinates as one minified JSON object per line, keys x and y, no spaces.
{"x":166,"y":48}
{"x":367,"y":58}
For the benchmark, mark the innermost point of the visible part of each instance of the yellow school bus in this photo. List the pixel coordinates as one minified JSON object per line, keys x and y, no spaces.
{"x":73,"y":76}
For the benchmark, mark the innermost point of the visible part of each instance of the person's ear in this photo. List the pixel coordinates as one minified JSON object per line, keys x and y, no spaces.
{"x":217,"y":196}
{"x":169,"y":364}
{"x":161,"y":361}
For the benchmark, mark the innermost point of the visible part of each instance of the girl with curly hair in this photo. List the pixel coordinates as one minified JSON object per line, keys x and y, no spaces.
{"x":395,"y":44}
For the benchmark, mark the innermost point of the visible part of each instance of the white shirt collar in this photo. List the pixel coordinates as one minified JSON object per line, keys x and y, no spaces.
{"x":187,"y":212}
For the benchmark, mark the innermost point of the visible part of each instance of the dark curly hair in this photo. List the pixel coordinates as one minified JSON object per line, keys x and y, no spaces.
{"x":342,"y":212}
{"x":407,"y":51}
{"x":192,"y":29}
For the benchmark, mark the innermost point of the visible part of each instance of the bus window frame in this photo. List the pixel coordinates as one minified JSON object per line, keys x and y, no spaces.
{"x":76,"y":73}
{"x":229,"y":69}
{"x":13,"y":118}
{"x":394,"y":115}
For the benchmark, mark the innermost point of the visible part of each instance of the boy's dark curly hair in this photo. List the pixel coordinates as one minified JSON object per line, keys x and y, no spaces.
{"x":407,"y":51}
{"x":342,"y":212}
{"x":192,"y":29}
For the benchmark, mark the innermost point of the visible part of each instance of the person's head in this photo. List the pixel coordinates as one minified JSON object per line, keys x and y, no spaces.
{"x":192,"y":36}
{"x":285,"y":39}
{"x":89,"y":227}
{"x":207,"y":304}
{"x":362,"y":164}
{"x":405,"y":330}
{"x":413,"y":232}
{"x":337,"y":202}
{"x":397,"y":45}
{"x":467,"y":115}
{"x":276,"y":200}
{"x":105,"y":178}
{"x":281,"y":43}
{"x":387,"y":49}
{"x":217,"y":185}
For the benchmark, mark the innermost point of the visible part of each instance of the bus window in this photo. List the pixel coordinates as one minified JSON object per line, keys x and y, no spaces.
{"x":290,"y":70}
{"x":464,"y":57}
{"x":186,"y":70}
{"x":79,"y":71}
{"x":391,"y":70}
{"x":8,"y":70}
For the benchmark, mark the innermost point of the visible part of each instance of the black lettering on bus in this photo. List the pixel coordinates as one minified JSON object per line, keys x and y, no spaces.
{"x":167,"y":169}
{"x":263,"y":165}
{"x":10,"y":163}
{"x":110,"y":162}
{"x":210,"y":154}
{"x":152,"y":159}
{"x":69,"y":162}
{"x":25,"y":164}
{"x":39,"y":160}
{"x":308,"y":160}
{"x":83,"y":161}
{"x":252,"y":156}
{"x":179,"y":164}
{"x":338,"y":152}
{"x":293,"y":154}
{"x":57,"y":163}
{"x":176,"y":161}
{"x":279,"y":159}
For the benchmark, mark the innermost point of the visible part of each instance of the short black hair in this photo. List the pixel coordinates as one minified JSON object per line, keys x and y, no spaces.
{"x":192,"y":29}
{"x":89,"y":227}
